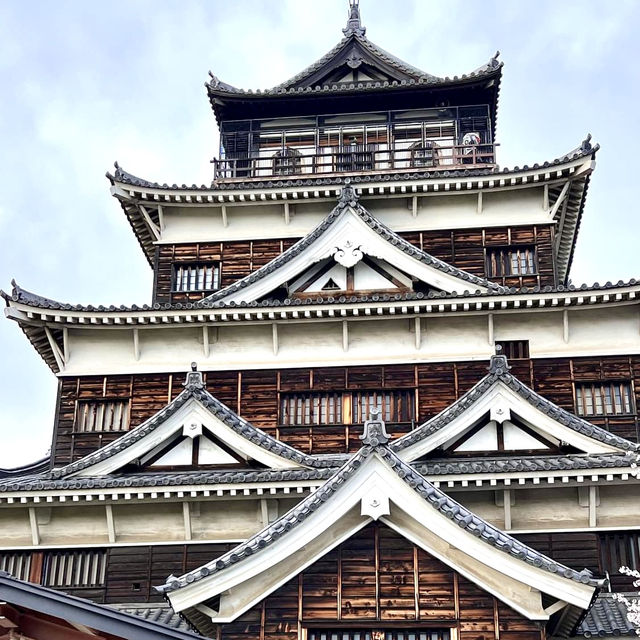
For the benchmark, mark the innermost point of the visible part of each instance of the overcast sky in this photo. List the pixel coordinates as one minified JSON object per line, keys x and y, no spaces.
{"x":87,"y":83}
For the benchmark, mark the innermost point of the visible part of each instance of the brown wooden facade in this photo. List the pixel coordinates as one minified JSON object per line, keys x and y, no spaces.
{"x":130,"y":572}
{"x":468,"y":249}
{"x":256,"y":395}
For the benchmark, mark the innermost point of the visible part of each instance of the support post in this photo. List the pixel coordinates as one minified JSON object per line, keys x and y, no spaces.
{"x":65,"y":344}
{"x":593,"y":504}
{"x":490,"y":329}
{"x":274,"y":338}
{"x":111,"y":526}
{"x":205,"y":340}
{"x":223,"y":211}
{"x":545,"y":198}
{"x":414,"y":206}
{"x":136,"y":345}
{"x":418,"y":330}
{"x":57,"y":354}
{"x":565,"y":325}
{"x":345,"y":336}
{"x":479,"y":202}
{"x":33,"y":524}
{"x":507,"y":509}
{"x":186,"y":514}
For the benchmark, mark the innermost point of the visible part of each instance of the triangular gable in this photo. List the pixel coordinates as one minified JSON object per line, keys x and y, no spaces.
{"x":375,"y":484}
{"x":347,"y":235}
{"x":356,"y":56}
{"x":523,"y":415}
{"x":193,"y":414}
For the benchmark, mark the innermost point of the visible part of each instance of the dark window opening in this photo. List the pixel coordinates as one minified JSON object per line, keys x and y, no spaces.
{"x":511,"y":261}
{"x":604,"y":398}
{"x":513,"y":349}
{"x":196,"y":277}
{"x":102,"y":415}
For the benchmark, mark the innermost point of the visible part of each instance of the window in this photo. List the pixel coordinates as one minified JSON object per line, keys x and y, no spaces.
{"x":102,"y":415}
{"x":511,"y":261}
{"x":317,"y":408}
{"x":513,"y":349}
{"x":345,"y":408}
{"x":196,"y":277}
{"x":74,"y":569}
{"x":603,"y":398}
{"x":17,"y":563}
{"x":423,"y":154}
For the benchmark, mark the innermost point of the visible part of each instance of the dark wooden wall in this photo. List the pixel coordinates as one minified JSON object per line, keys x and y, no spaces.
{"x":378,"y":579}
{"x":465,"y":249}
{"x":132,"y":572}
{"x":255,"y":395}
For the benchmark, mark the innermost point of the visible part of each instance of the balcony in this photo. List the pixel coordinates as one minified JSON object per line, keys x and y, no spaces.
{"x":440,"y":138}
{"x":351,"y":159}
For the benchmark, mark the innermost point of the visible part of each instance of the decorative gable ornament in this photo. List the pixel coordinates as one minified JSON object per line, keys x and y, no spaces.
{"x":349,"y":254}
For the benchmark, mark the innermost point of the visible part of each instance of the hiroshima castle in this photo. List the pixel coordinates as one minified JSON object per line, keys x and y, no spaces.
{"x":364,"y":400}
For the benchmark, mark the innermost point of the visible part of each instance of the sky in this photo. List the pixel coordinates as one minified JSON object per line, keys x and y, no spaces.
{"x":88,"y":83}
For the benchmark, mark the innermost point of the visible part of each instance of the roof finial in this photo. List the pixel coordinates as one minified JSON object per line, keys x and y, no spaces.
{"x":194,"y":378}
{"x":353,"y":23}
{"x":348,"y":195}
{"x":499,"y":364}
{"x":375,"y":432}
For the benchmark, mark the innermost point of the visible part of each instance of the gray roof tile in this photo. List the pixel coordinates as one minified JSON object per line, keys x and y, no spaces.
{"x":499,"y":372}
{"x":607,"y":617}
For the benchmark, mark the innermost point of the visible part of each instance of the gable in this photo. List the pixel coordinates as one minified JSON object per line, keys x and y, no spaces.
{"x":379,"y":575}
{"x":500,"y":414}
{"x":350,"y":235}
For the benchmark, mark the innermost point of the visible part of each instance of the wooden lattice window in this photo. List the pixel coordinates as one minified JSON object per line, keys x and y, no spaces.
{"x":619,"y":550}
{"x":287,"y":162}
{"x":513,"y":349}
{"x":314,"y":408}
{"x":102,"y":415}
{"x":395,"y":406}
{"x":74,"y":568}
{"x":604,"y":398}
{"x":17,"y":563}
{"x":196,"y":277}
{"x":346,"y":407}
{"x":511,"y":261}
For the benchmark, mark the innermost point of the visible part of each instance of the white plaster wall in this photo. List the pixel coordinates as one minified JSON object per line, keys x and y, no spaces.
{"x":225,"y":520}
{"x":618,"y":504}
{"x":14,"y":527}
{"x":440,"y":211}
{"x":381,"y":340}
{"x":136,"y":522}
{"x":72,"y":524}
{"x":548,"y":509}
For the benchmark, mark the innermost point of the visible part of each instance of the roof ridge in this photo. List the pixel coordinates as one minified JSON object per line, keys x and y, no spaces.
{"x":375,"y":441}
{"x":499,"y":371}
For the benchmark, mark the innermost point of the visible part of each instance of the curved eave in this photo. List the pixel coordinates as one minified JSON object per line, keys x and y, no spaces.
{"x":35,"y":317}
{"x":132,"y":191}
{"x":449,"y":475}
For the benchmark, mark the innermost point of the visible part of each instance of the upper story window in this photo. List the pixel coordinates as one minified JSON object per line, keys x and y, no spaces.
{"x":74,"y":568}
{"x":513,"y":349}
{"x":102,"y":415}
{"x":199,"y":276}
{"x":511,"y":261}
{"x":352,"y":407}
{"x":287,"y":162}
{"x":17,"y":563}
{"x":604,"y":398}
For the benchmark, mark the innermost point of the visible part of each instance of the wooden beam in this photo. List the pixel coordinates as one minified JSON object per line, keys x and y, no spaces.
{"x":136,"y":345}
{"x":274,"y":338}
{"x":153,"y":227}
{"x":57,"y":354}
{"x":65,"y":344}
{"x":111,"y":525}
{"x":186,"y":515}
{"x":33,"y":524}
{"x":560,"y":199}
{"x":161,"y":217}
{"x":507,"y":509}
{"x":563,"y":215}
{"x":205,"y":340}
{"x":593,"y":505}
{"x":418,"y":330}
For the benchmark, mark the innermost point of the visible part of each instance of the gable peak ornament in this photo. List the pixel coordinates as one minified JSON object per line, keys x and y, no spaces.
{"x":348,"y":254}
{"x":354,"y":27}
{"x":375,"y":430}
{"x":194,"y":379}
